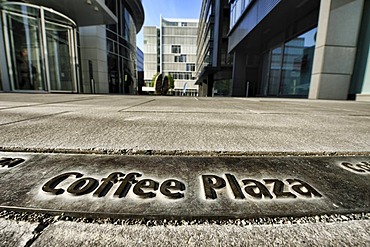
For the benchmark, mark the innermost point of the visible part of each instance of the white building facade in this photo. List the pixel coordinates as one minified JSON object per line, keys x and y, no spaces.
{"x":171,"y":50}
{"x":151,"y":53}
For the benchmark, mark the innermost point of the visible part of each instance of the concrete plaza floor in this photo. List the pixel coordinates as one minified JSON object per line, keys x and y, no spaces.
{"x":155,"y":125}
{"x":185,"y":124}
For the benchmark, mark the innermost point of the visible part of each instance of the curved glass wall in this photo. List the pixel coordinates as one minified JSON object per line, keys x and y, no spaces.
{"x":121,"y":48}
{"x":40,"y":48}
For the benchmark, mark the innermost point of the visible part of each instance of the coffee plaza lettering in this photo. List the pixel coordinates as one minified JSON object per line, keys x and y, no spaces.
{"x":77,"y":184}
{"x":10,"y":162}
{"x":145,"y":188}
{"x":362,"y":167}
{"x":257,"y":189}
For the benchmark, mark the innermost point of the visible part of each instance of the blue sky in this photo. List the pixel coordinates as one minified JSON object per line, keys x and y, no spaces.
{"x":168,"y":9}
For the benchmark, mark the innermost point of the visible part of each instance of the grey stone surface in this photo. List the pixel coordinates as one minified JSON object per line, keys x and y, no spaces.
{"x":94,"y":123}
{"x":351,"y":233}
{"x":16,"y":233}
{"x":84,"y":122}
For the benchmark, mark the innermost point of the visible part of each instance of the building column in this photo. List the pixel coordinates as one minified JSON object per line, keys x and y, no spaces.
{"x":239,"y":75}
{"x":210,"y":83}
{"x":93,"y":43}
{"x":335,"y":51}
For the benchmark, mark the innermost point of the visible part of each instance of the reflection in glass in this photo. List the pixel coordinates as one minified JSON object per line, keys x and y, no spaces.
{"x":121,"y":52}
{"x":60,"y":65}
{"x":275,"y":67}
{"x":39,"y":45}
{"x":287,"y":69}
{"x":297,"y":64}
{"x":222,"y":87}
{"x":113,"y":74}
{"x":26,"y":55}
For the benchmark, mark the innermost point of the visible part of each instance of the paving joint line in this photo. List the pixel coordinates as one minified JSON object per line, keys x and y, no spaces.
{"x":33,"y":118}
{"x":49,"y":103}
{"x":37,"y":233}
{"x":142,"y":103}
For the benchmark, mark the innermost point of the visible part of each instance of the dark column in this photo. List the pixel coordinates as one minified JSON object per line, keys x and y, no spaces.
{"x":239,"y":75}
{"x":210,"y":85}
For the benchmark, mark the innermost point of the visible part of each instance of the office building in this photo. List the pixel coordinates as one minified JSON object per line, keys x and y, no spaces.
{"x":151,"y":54}
{"x":79,"y":46}
{"x":310,"y":49}
{"x":171,"y":50}
{"x":214,"y":64}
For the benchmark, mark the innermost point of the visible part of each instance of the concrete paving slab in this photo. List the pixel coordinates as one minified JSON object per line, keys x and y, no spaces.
{"x":184,"y":187}
{"x":352,"y":233}
{"x":16,"y":233}
{"x":191,"y":126}
{"x":185,"y":124}
{"x":18,"y":117}
{"x":10,"y":100}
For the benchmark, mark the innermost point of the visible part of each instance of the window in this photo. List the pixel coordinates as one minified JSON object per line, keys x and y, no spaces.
{"x":181,"y":75}
{"x":289,"y":67}
{"x":190,"y":67}
{"x":237,"y":9}
{"x":180,"y":59}
{"x":112,"y":5}
{"x":176,"y":49}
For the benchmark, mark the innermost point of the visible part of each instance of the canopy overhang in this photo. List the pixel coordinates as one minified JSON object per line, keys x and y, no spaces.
{"x":83,"y":12}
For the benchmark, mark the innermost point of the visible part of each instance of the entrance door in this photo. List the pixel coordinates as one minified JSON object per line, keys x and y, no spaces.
{"x":275,"y":72}
{"x":22,"y":39}
{"x":59,"y":40}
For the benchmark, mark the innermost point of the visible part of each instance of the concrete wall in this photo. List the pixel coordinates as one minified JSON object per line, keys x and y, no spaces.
{"x":94,"y":47}
{"x":335,"y":52}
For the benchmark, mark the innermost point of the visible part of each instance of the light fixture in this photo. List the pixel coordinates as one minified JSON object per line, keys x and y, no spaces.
{"x":88,"y":2}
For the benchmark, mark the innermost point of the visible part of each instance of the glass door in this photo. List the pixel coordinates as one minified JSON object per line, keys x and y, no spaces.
{"x":59,"y":40}
{"x":23,"y":36}
{"x":40,"y":46}
{"x":275,"y":72}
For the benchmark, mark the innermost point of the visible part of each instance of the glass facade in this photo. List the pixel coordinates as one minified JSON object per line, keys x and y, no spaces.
{"x":287,"y":68}
{"x":40,"y":48}
{"x":214,"y":63}
{"x":59,"y":57}
{"x":222,"y":88}
{"x":205,"y":36}
{"x":121,"y":48}
{"x":237,"y":8}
